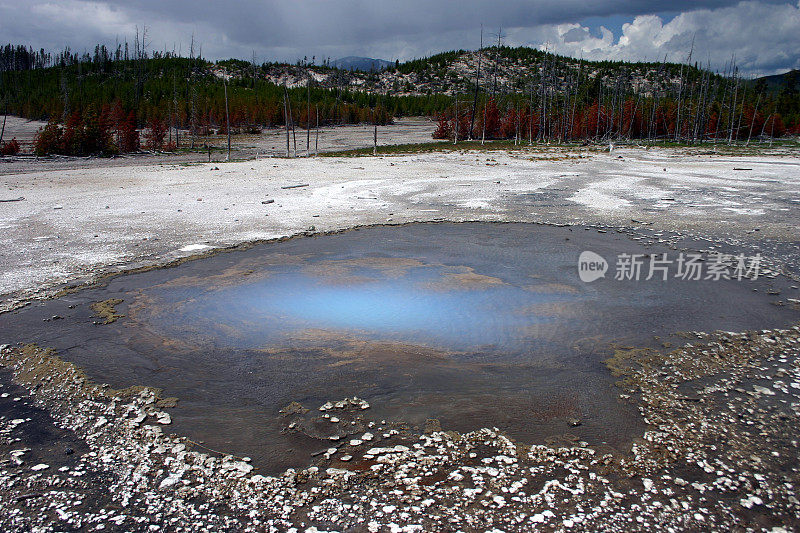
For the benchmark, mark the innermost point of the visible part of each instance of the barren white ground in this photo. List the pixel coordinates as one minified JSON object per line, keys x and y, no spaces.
{"x":74,"y":224}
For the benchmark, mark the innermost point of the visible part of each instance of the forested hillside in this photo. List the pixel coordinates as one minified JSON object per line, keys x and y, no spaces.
{"x":498,"y":92}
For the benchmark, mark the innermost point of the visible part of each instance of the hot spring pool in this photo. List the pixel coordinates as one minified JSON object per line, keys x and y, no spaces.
{"x":474,"y":324}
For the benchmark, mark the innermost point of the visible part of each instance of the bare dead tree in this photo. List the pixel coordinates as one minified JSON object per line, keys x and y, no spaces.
{"x":316,"y":140}
{"x":548,"y":78}
{"x":141,"y":56}
{"x":733,"y":106}
{"x":191,"y":94}
{"x":5,"y":116}
{"x":575,"y":99}
{"x":477,"y":85}
{"x":610,"y":118}
{"x":772,"y":128}
{"x":599,"y":107}
{"x":136,"y":57}
{"x":753,"y":120}
{"x":456,"y":121}
{"x":375,"y":132}
{"x":741,"y":111}
{"x":308,"y":115}
{"x":635,"y":110}
{"x":702,"y":123}
{"x":530,"y":115}
{"x":65,"y":96}
{"x":336,"y":108}
{"x":286,"y":117}
{"x":253,"y":65}
{"x":680,"y":92}
{"x":566,"y":106}
{"x":175,"y":109}
{"x":483,"y":122}
{"x":294,"y":129}
{"x":764,"y":126}
{"x":496,"y":60}
{"x":678,"y":118}
{"x":542,"y":71}
{"x":651,"y":127}
{"x":724,"y":98}
{"x":227,"y":117}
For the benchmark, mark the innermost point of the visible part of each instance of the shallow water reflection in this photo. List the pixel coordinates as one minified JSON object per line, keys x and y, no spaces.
{"x":447,"y":307}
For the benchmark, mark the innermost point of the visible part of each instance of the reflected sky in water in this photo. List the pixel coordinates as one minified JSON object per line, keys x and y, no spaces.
{"x":428,"y":305}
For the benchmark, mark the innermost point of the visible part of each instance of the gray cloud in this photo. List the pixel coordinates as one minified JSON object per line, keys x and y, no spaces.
{"x":283,"y":30}
{"x":575,"y":35}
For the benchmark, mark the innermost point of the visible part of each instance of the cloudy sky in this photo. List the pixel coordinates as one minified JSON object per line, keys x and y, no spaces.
{"x":764,"y":35}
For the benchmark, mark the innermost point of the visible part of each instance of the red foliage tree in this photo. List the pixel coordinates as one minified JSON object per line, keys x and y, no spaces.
{"x":156,"y":132}
{"x":128,"y":135}
{"x":96,"y":136}
{"x":776,"y":128}
{"x":490,"y":121}
{"x":48,"y":140}
{"x":592,"y":120}
{"x":712,"y":125}
{"x":10,"y":148}
{"x":72,"y":137}
{"x":444,"y":129}
{"x":508,"y":124}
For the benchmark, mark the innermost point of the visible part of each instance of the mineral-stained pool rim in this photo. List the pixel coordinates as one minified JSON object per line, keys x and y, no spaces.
{"x":531,"y":400}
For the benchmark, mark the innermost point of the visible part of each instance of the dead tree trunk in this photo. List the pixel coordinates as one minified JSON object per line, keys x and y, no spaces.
{"x":477,"y":85}
{"x":732,"y":115}
{"x":191,"y":94}
{"x":483,"y":122}
{"x":455,"y":121}
{"x":294,"y":130}
{"x":741,"y":113}
{"x":175,"y":109}
{"x":227,"y":120}
{"x":678,"y":117}
{"x":65,"y":93}
{"x":286,"y":118}
{"x":375,"y":131}
{"x":680,"y":94}
{"x":496,"y":61}
{"x":543,"y":101}
{"x":772,"y":130}
{"x":308,"y":115}
{"x":575,"y":98}
{"x":253,"y":63}
{"x":5,"y":116}
{"x":530,"y":117}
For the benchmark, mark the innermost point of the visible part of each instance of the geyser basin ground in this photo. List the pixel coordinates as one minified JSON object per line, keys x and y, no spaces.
{"x":472,"y":324}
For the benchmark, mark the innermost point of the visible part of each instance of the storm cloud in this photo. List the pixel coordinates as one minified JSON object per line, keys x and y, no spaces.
{"x":765,"y":35}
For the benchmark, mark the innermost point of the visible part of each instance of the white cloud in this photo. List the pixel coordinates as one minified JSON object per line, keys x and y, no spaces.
{"x":765,"y":38}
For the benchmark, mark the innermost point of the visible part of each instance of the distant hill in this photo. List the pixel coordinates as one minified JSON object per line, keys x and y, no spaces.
{"x":779,"y":81}
{"x":362,"y":64}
